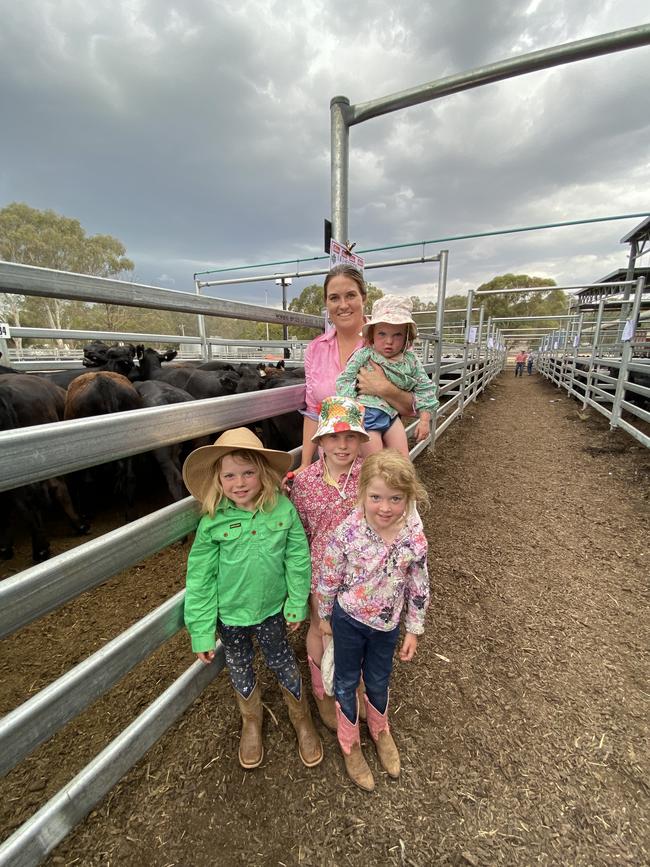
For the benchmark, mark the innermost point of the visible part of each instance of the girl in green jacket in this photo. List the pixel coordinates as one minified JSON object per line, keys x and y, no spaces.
{"x":249,"y":575}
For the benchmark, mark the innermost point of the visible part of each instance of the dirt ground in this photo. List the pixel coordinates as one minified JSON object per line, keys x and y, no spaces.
{"x":522,"y":724}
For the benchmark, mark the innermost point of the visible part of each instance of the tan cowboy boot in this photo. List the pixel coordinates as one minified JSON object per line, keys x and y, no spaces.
{"x":309,"y":746}
{"x":251,"y":748}
{"x":324,"y":702}
{"x":380,"y":733}
{"x":350,"y":743}
{"x":361,"y":695}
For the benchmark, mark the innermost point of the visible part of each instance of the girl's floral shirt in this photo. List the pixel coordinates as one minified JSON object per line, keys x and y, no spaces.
{"x":374,"y":580}
{"x":321,"y":508}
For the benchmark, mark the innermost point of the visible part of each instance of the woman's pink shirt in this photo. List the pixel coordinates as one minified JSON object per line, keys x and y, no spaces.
{"x":322,"y":367}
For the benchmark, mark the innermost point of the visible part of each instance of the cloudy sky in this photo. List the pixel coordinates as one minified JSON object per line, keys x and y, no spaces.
{"x":198,"y":132}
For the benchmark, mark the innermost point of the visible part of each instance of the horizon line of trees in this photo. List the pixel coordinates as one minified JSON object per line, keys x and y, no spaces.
{"x":49,"y":240}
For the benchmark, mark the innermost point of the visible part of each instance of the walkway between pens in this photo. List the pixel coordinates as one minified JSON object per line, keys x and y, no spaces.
{"x":523,"y":721}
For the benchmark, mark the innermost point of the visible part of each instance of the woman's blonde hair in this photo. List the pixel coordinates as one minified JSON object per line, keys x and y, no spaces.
{"x":269,"y":479}
{"x":397,"y":472}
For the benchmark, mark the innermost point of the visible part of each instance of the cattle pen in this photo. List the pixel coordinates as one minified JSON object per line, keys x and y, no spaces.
{"x":467,"y":365}
{"x":464,"y":369}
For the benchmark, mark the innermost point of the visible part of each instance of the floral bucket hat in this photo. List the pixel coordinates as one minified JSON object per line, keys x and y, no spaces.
{"x":392,"y":310}
{"x":338,"y":414}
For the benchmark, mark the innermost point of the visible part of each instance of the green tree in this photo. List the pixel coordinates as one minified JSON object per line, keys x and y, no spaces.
{"x":49,"y":240}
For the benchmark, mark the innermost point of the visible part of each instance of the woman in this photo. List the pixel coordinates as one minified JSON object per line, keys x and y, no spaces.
{"x":344,"y":293}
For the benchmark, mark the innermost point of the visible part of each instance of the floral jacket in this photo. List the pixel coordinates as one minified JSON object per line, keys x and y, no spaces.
{"x":372,"y":580}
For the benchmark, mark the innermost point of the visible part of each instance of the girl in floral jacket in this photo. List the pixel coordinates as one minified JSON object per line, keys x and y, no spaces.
{"x":374,"y":567}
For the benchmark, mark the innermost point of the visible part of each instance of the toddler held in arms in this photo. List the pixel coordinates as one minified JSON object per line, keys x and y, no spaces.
{"x":389,"y":335}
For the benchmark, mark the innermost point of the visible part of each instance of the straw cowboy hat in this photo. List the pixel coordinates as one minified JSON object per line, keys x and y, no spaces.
{"x":198,"y":469}
{"x":392,"y":310}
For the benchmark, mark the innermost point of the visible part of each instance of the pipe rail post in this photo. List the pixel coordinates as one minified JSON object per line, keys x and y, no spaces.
{"x":592,"y":356}
{"x":626,"y":353}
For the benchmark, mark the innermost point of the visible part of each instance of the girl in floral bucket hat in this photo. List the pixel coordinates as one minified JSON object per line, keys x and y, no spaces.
{"x":248,"y":576}
{"x":389,"y":335}
{"x":324,"y":494}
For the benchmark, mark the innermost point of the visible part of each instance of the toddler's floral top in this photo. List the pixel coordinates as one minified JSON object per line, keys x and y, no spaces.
{"x":374,"y":580}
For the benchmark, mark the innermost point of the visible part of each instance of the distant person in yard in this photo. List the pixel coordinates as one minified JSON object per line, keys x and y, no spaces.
{"x":529,"y":363}
{"x":520,"y":360}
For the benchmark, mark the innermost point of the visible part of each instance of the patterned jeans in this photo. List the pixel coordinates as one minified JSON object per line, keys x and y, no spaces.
{"x":271,"y":636}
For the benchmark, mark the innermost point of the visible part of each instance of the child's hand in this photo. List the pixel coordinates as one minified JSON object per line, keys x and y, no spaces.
{"x":325,"y":628}
{"x":293,"y":626}
{"x":423,"y":430}
{"x":206,"y":657}
{"x":409,"y":647}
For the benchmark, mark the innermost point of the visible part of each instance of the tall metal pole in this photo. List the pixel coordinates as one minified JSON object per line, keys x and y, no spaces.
{"x":340,"y":156}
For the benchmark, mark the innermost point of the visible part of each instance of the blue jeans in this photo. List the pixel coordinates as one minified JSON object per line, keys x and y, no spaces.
{"x":239,"y":651}
{"x":358,"y":648}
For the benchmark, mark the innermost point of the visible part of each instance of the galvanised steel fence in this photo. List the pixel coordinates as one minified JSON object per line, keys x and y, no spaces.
{"x":601,"y":356}
{"x":469,"y":361}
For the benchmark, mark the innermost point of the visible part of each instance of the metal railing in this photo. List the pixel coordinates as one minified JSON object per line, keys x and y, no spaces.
{"x":33,"y":454}
{"x":596,"y":357}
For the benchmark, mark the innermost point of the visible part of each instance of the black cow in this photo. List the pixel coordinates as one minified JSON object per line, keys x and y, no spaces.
{"x":101,"y":393}
{"x":98,"y":356}
{"x":158,"y":393}
{"x":26,"y":401}
{"x":282,"y":432}
{"x":200,"y":384}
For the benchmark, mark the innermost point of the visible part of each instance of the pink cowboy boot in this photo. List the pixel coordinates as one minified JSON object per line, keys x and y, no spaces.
{"x":380,"y":733}
{"x":350,"y":743}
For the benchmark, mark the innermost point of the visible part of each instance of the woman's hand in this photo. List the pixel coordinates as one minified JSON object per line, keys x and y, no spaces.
{"x":409,"y":647}
{"x":325,"y":627}
{"x":206,"y":657}
{"x":374,"y":381}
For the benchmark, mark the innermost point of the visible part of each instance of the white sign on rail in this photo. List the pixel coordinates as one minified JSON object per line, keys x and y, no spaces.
{"x":5,"y":331}
{"x":340,"y":255}
{"x":628,"y":330}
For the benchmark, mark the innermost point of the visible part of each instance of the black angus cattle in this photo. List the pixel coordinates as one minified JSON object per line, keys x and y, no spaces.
{"x":282,"y":432}
{"x":26,"y":401}
{"x":158,"y":393}
{"x":102,"y":393}
{"x":201,"y":384}
{"x":215,"y":365}
{"x":98,"y":356}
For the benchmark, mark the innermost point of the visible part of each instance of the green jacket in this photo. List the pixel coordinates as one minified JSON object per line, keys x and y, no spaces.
{"x":245,"y":567}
